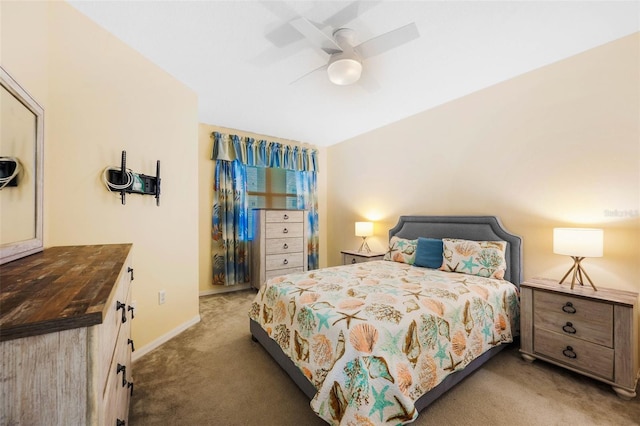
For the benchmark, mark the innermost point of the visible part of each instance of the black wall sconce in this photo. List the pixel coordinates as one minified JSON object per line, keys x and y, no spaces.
{"x":9,"y":169}
{"x":125,"y":181}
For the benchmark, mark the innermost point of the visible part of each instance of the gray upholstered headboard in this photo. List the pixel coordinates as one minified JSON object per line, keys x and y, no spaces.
{"x":477,"y":228}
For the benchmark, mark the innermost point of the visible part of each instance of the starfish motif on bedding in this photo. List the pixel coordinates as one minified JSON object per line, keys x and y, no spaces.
{"x":348,"y":318}
{"x":323,"y":319}
{"x":441,"y":354}
{"x":417,"y":294}
{"x":381,"y":401}
{"x":469,"y":264}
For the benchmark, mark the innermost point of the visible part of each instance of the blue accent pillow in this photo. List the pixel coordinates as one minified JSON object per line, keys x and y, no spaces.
{"x":429,"y":253}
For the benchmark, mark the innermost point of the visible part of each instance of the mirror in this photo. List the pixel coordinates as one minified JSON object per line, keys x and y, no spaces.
{"x":21,"y":141}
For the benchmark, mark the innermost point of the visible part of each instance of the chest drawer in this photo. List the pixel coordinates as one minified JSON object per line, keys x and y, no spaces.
{"x":284,"y":245}
{"x":284,"y":216}
{"x":284,"y":230}
{"x":585,"y":319}
{"x":575,"y":352}
{"x":283,"y":261}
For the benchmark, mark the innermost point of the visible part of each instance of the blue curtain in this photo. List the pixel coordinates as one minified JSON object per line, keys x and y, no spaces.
{"x":232,"y":154}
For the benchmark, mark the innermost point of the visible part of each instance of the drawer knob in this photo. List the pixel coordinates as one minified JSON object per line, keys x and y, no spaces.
{"x":568,"y":308}
{"x":285,"y":217}
{"x":569,"y":353}
{"x":120,"y":422}
{"x":130,"y":342}
{"x":130,"y":386}
{"x":285,"y":231}
{"x":569,"y":328}
{"x":132,"y":309}
{"x":353,"y":260}
{"x":124,"y":308}
{"x":285,"y":246}
{"x":285,"y":262}
{"x":122,"y":369}
{"x":130,"y":270}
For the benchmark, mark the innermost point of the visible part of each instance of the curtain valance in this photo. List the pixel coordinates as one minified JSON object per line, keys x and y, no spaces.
{"x":261,"y":153}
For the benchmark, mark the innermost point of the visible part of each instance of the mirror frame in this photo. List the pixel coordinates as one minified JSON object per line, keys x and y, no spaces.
{"x":18,"y":249}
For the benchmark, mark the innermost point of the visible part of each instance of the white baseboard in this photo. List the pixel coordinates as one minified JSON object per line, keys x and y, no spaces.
{"x":225,"y":289}
{"x":140,"y":352}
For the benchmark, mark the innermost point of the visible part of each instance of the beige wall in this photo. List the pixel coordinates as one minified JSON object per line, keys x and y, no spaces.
{"x":102,"y":97}
{"x":555,"y":147}
{"x":206,"y":169}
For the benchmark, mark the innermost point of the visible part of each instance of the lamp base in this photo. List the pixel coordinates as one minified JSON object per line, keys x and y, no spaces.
{"x":364,"y":247}
{"x":578,"y":272}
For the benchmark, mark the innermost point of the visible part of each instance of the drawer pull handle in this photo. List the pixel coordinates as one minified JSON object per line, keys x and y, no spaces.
{"x":130,"y":342}
{"x":123,"y":369}
{"x":569,"y":328}
{"x":130,"y":270}
{"x":568,"y":308}
{"x":124,"y":308}
{"x":285,"y":231}
{"x":120,"y":422}
{"x":285,"y":262}
{"x":569,"y":353}
{"x":353,"y":260}
{"x":285,"y":246}
{"x":132,"y":309}
{"x":285,"y":217}
{"x":130,"y":386}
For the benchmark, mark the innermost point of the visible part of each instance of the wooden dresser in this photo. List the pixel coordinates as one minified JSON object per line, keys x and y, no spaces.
{"x":279,"y":244}
{"x":65,"y":337}
{"x":594,"y":333}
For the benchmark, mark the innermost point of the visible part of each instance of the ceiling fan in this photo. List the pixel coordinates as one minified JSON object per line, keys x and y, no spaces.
{"x":345,"y":58}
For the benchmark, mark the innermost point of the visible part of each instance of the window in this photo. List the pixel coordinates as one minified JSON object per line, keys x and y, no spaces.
{"x":270,"y":188}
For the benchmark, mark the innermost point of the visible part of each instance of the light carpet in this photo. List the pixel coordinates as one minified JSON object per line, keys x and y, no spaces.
{"x":214,"y":374}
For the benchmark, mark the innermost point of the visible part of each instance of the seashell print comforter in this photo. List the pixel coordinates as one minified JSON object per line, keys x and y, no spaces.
{"x":373,"y":337}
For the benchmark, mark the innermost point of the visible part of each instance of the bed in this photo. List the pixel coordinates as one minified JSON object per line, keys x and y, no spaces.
{"x":377,"y":342}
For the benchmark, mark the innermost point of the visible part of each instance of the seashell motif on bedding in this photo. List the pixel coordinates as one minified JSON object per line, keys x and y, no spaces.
{"x":404,"y":378}
{"x":308,"y":298}
{"x":459,"y":343}
{"x":434,"y":306}
{"x":279,"y":312}
{"x":301,"y":347}
{"x":427,"y":372}
{"x":322,"y":350}
{"x":465,"y":248}
{"x":351,"y":304}
{"x":363,"y":337}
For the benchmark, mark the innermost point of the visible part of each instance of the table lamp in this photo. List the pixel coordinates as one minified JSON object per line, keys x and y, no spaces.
{"x":578,"y":243}
{"x":364,"y":230}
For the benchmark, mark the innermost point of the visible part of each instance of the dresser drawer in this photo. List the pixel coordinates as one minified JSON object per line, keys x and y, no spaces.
{"x":284,"y":216}
{"x":283,"y":261}
{"x":589,"y":357}
{"x":284,"y":245}
{"x":282,"y":230}
{"x":586,"y":319}
{"x":279,"y":272}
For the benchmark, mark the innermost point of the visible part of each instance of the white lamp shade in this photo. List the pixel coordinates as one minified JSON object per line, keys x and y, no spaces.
{"x":344,"y":71}
{"x":364,"y":229}
{"x":579,"y":242}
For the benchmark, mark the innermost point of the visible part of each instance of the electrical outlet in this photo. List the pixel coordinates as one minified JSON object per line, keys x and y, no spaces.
{"x":162,"y":296}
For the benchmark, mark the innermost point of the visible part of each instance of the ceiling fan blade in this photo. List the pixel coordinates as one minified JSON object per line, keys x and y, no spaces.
{"x":387,"y":41}
{"x":315,"y":36}
{"x":349,"y":13}
{"x":309,"y":73}
{"x":283,"y":35}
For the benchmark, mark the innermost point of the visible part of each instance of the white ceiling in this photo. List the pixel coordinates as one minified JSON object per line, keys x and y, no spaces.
{"x":219,"y":49}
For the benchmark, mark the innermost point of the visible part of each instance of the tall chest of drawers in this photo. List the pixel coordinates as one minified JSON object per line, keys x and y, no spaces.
{"x":65,"y":337}
{"x":279,"y":244}
{"x":594,"y":333}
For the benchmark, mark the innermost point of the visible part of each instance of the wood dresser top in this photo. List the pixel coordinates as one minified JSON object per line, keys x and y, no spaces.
{"x":60,"y":288}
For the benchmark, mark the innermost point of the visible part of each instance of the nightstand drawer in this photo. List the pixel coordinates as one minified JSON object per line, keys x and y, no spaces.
{"x":350,"y":259}
{"x":283,"y":261}
{"x":283,"y":230}
{"x":585,"y":319}
{"x":577,"y":353}
{"x":284,"y":245}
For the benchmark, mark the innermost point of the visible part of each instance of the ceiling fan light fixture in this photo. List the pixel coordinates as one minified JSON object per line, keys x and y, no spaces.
{"x":344,"y":71}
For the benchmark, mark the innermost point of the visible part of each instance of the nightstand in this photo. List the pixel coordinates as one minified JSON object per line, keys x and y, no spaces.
{"x":594,"y":333}
{"x":354,"y":256}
